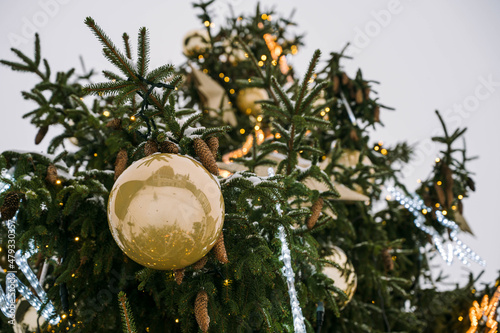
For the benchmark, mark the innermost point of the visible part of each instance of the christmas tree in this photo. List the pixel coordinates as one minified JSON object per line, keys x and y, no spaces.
{"x":240,"y":196}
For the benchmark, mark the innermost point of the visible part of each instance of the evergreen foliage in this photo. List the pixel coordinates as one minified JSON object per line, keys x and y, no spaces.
{"x":308,"y":133}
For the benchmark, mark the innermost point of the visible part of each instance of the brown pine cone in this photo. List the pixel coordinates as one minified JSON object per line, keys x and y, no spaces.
{"x":359,"y":96}
{"x":387,"y":259}
{"x":41,"y":134}
{"x":121,"y":163}
{"x":471,"y":184}
{"x":440,"y":194}
{"x":201,"y":310}
{"x":10,"y":206}
{"x":179,"y":275}
{"x":115,"y":124}
{"x":150,"y":147}
{"x":353,"y":135}
{"x":448,"y":177}
{"x":367,"y":92}
{"x":207,"y":158}
{"x":460,"y":207}
{"x":315,"y":212}
{"x":345,"y":79}
{"x":336,"y":84}
{"x":220,"y":250}
{"x":169,"y":147}
{"x":213,"y":144}
{"x":200,"y":263}
{"x":376,"y":114}
{"x":51,"y":174}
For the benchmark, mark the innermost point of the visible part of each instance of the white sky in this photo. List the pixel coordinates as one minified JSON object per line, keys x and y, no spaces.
{"x":427,"y":55}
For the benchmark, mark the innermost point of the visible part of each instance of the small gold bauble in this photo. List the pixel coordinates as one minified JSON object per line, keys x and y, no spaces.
{"x":246,"y":100}
{"x":166,"y":211}
{"x":345,"y":279}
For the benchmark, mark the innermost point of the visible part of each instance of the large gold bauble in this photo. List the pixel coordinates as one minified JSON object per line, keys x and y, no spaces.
{"x":345,"y":278}
{"x":166,"y":211}
{"x":245,"y":101}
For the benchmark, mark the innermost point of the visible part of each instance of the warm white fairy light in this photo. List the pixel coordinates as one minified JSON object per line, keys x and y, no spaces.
{"x":459,"y":249}
{"x":287,"y":270}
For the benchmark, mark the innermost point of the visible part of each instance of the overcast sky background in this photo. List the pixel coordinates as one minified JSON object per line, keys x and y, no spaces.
{"x":427,"y":55}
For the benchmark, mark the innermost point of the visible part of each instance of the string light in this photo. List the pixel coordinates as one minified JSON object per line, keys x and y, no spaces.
{"x":459,"y":249}
{"x":287,"y":270}
{"x":276,"y":52}
{"x":206,"y":23}
{"x":132,"y":118}
{"x":460,"y":197}
{"x":349,"y":110}
{"x":246,"y":145}
{"x":437,"y":159}
{"x":58,"y":182}
{"x":487,"y":311}
{"x":106,"y":113}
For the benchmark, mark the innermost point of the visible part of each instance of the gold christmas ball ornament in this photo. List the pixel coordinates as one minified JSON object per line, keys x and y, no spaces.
{"x":246,"y":100}
{"x":196,"y":42}
{"x":166,"y":211}
{"x":345,"y":278}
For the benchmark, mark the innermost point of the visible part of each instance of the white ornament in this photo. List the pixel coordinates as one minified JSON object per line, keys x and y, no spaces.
{"x":196,"y":42}
{"x":344,"y":278}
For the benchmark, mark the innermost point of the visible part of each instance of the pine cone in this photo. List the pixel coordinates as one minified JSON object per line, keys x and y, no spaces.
{"x":345,"y":79}
{"x":460,"y":207}
{"x":359,"y":96}
{"x":387,"y":259}
{"x":336,"y":84}
{"x":115,"y":124}
{"x":471,"y":184}
{"x":448,"y":177}
{"x":179,"y":275}
{"x":376,"y":114}
{"x":169,"y":147}
{"x":207,"y":158}
{"x":51,"y":174}
{"x":150,"y":147}
{"x":220,"y":250}
{"x":201,"y":310}
{"x":41,"y":134}
{"x":213,"y":144}
{"x":353,"y":135}
{"x":10,"y":206}
{"x":200,"y":263}
{"x":315,"y":212}
{"x":367,"y":92}
{"x":121,"y":163}
{"x":440,"y":194}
